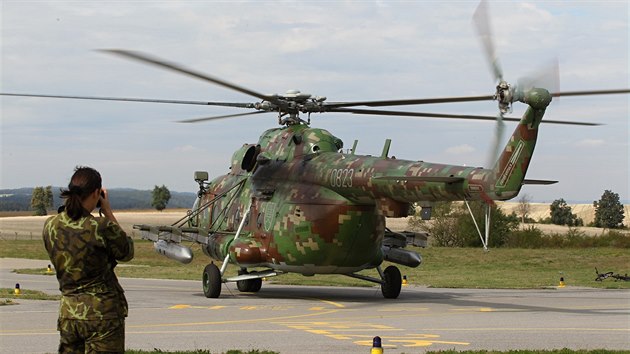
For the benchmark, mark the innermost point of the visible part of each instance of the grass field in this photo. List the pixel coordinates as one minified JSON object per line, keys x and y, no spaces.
{"x":442,"y":267}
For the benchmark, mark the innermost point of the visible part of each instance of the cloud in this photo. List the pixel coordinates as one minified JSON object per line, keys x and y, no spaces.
{"x":347,"y":51}
{"x":186,"y":148}
{"x":590,"y":143}
{"x":460,"y":149}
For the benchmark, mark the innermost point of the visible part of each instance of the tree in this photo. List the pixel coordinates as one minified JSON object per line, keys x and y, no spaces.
{"x":41,"y":199}
{"x":561,"y":214}
{"x":452,"y":226}
{"x":609,"y":211}
{"x":161,"y":196}
{"x":442,"y":227}
{"x":524,"y":207}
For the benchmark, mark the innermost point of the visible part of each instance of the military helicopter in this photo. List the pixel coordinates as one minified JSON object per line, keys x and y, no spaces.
{"x":295,"y":202}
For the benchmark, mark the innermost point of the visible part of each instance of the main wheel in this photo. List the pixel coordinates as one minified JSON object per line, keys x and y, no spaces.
{"x":392,"y":282}
{"x":256,"y":284}
{"x":249,"y":285}
{"x":211,"y":281}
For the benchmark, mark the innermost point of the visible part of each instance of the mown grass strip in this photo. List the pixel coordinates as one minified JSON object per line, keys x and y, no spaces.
{"x":9,"y":297}
{"x":501,"y":268}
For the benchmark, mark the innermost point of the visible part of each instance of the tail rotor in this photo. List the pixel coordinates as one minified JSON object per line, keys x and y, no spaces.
{"x":504,"y":93}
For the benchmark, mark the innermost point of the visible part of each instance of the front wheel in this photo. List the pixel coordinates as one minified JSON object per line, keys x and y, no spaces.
{"x":211,"y":280}
{"x":392,"y":282}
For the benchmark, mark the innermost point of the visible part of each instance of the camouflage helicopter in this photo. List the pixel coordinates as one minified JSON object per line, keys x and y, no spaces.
{"x":295,"y":202}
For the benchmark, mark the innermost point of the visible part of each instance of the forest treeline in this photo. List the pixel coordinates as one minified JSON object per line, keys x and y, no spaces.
{"x":121,"y":198}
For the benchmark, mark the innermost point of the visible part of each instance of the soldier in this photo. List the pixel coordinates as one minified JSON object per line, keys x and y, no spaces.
{"x":84,"y":250}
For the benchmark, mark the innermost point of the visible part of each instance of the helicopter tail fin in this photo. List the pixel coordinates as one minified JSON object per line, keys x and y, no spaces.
{"x":511,"y":166}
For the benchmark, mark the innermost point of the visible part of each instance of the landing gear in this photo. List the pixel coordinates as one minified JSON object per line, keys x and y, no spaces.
{"x":248,"y":285}
{"x":211,"y":281}
{"x":392,"y":282}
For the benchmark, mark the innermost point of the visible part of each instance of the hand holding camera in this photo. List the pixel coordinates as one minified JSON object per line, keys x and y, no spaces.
{"x":105,"y":207}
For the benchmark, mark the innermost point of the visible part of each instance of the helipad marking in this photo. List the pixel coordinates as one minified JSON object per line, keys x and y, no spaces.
{"x":353,"y":330}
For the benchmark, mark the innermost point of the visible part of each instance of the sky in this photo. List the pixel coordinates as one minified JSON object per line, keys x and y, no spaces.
{"x":344,"y":50}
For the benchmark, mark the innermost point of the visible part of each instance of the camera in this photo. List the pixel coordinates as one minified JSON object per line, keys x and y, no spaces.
{"x":98,"y":204}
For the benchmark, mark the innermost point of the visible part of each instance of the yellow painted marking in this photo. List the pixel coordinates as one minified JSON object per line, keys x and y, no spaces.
{"x":424,"y":343}
{"x":253,"y":320}
{"x":402,"y":309}
{"x":183,"y":307}
{"x":468,"y":309}
{"x":340,"y":337}
{"x":533,"y":329}
{"x":210,"y":331}
{"x":180,"y":307}
{"x":410,"y":340}
{"x":336,"y":304}
{"x":319,"y":308}
{"x":368,"y":343}
{"x":248,"y":308}
{"x":32,"y":332}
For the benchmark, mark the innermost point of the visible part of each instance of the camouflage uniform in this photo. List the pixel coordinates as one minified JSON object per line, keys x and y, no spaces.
{"x":93,"y":305}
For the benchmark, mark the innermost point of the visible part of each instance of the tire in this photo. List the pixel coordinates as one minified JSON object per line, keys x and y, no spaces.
{"x":211,"y":281}
{"x":392,"y":282}
{"x":256,"y":284}
{"x":243,"y":286}
{"x":249,"y":285}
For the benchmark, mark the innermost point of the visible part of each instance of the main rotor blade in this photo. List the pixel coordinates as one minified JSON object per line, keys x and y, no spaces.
{"x":146,"y":100}
{"x":482,"y":24}
{"x":412,"y":101}
{"x":447,"y":116}
{"x":197,"y":120}
{"x":420,"y":101}
{"x":170,"y":66}
{"x":588,"y":93}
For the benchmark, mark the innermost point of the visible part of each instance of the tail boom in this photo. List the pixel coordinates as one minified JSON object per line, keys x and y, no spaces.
{"x":511,"y":167}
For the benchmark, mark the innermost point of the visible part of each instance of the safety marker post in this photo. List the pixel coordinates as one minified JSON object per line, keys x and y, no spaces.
{"x":49,"y":269}
{"x":404,"y":280}
{"x":17,"y":290}
{"x":377,"y":348}
{"x":561,"y":285}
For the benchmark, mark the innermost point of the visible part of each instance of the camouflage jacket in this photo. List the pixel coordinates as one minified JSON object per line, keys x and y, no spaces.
{"x":84,"y":253}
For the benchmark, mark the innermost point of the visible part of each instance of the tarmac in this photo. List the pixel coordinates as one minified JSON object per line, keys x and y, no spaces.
{"x":174,"y":315}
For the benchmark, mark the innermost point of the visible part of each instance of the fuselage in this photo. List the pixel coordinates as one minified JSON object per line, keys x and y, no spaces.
{"x":317,"y":210}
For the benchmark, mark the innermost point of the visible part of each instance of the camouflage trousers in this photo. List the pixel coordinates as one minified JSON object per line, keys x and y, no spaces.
{"x":96,"y":336}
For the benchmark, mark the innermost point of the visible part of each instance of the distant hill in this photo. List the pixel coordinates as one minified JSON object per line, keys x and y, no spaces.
{"x":121,"y":198}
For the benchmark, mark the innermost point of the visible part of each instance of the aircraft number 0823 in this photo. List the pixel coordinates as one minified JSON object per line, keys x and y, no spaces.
{"x":341,"y":177}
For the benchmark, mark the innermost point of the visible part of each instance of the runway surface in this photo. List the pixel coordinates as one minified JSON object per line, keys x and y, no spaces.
{"x":174,"y":315}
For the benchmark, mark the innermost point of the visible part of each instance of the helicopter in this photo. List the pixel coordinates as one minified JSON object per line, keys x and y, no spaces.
{"x":295,"y":202}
